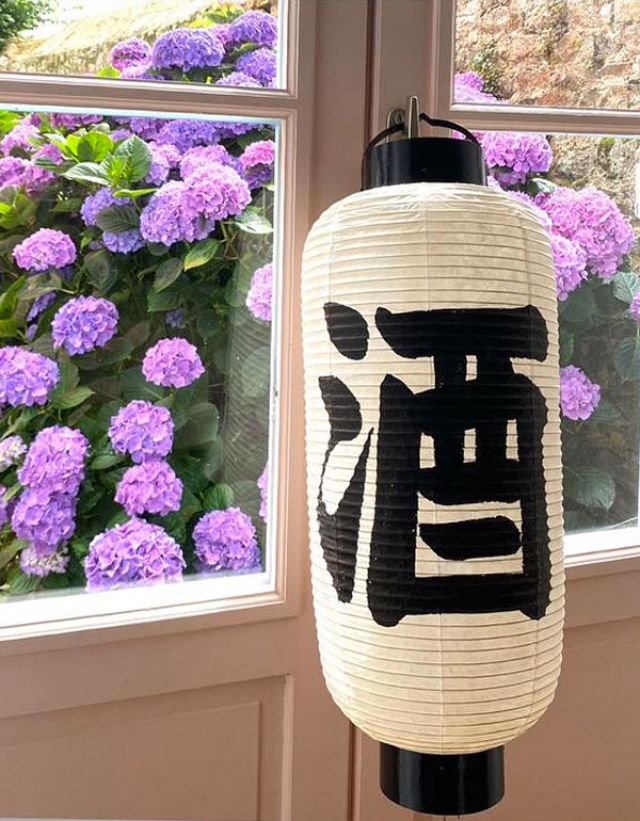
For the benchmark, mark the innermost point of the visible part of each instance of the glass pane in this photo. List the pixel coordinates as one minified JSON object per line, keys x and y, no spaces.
{"x":585,"y":189}
{"x":229,"y":43}
{"x":572,"y":53}
{"x":135,"y":349}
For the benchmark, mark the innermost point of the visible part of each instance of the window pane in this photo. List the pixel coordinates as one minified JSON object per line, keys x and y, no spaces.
{"x":231,"y":43}
{"x":572,"y":53}
{"x":586,"y":191}
{"x":135,"y":349}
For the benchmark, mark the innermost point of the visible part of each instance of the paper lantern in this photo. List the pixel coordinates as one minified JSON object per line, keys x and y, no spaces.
{"x":434,"y":468}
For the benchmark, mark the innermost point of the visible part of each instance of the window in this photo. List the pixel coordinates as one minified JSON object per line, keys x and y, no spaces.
{"x":522,"y":81}
{"x":142,"y":237}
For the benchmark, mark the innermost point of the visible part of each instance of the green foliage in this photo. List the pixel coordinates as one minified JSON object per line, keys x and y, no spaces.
{"x":17,"y":16}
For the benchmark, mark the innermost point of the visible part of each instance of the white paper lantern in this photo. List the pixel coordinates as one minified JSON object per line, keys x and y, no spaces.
{"x":434,"y":464}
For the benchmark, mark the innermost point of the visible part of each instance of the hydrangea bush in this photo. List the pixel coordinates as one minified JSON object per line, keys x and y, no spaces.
{"x":135,"y":327}
{"x":592,"y":244}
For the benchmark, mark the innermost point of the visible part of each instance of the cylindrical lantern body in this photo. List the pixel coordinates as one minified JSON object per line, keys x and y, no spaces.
{"x":434,"y":465}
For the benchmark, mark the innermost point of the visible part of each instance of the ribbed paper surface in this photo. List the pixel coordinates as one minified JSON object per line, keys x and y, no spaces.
{"x":443,"y":682}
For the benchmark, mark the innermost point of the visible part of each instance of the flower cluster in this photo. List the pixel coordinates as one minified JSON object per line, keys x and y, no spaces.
{"x":592,"y":220}
{"x":257,"y":163}
{"x":570,"y":263}
{"x":84,"y":324}
{"x":260,"y":65}
{"x":135,"y":552}
{"x":18,"y":172}
{"x":44,"y":520}
{"x":579,"y":396}
{"x":55,"y":461}
{"x":187,"y":49}
{"x":95,"y":203}
{"x":129,"y":53}
{"x":468,"y":88}
{"x":260,"y":293}
{"x":143,"y":430}
{"x":226,"y":540}
{"x":512,"y":157}
{"x":12,"y":449}
{"x":151,"y":487}
{"x":26,"y":378}
{"x":173,"y":363}
{"x":34,"y":564}
{"x":215,"y":191}
{"x":253,"y":27}
{"x":46,"y":248}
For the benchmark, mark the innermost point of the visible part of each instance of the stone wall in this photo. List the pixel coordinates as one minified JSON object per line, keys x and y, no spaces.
{"x":572,"y":53}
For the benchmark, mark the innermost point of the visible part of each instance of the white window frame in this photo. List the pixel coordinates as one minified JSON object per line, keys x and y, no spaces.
{"x":233,"y":599}
{"x":418,"y":57}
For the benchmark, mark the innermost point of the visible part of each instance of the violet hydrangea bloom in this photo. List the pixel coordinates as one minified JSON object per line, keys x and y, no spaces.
{"x":26,"y":378}
{"x":579,"y":396}
{"x":71,"y":122}
{"x":51,"y":153}
{"x":593,"y":220}
{"x":202,"y":155}
{"x":226,"y":540}
{"x":167,"y":218}
{"x":263,"y":487}
{"x":257,"y":162}
{"x":12,"y":171}
{"x":468,"y":87}
{"x":123,"y":242}
{"x":513,"y":156}
{"x":35,"y":565}
{"x":176,"y":318}
{"x":135,"y":552}
{"x":254,"y":27}
{"x":163,"y":159}
{"x":95,"y":203}
{"x":221,"y":31}
{"x":238,"y":79}
{"x":172,"y":363}
{"x":46,"y":248}
{"x":4,"y":512}
{"x":146,"y":127}
{"x":55,"y":461}
{"x":12,"y":449}
{"x":260,"y":293}
{"x":216,"y":191}
{"x":187,"y":49}
{"x":151,"y":487}
{"x":143,"y":430}
{"x":84,"y":324}
{"x":129,"y":52}
{"x":138,"y":71}
{"x":634,"y":308}
{"x":261,"y":64}
{"x":570,"y":263}
{"x":44,"y":519}
{"x":20,"y":136}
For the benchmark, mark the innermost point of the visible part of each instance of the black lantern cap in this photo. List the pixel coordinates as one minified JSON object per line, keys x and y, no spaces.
{"x":423,"y":159}
{"x":442,"y":784}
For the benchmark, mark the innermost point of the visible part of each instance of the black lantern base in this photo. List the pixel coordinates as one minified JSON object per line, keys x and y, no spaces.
{"x":442,"y":784}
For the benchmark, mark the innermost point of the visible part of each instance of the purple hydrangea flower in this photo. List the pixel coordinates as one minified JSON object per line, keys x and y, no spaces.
{"x":146,"y":127}
{"x":261,"y":64}
{"x":221,"y":31}
{"x":26,"y":378}
{"x":40,"y":305}
{"x":20,"y":136}
{"x":45,"y":249}
{"x":176,"y":319}
{"x":468,"y":88}
{"x":12,"y":171}
{"x":595,"y":222}
{"x":123,"y":242}
{"x":143,"y":430}
{"x":138,"y":71}
{"x":260,"y":293}
{"x":216,"y":191}
{"x":135,"y":552}
{"x":163,"y":159}
{"x":579,"y":396}
{"x":4,"y":507}
{"x":151,"y":487}
{"x":187,"y":49}
{"x":51,"y":153}
{"x":84,"y":324}
{"x":520,"y":154}
{"x":238,"y":79}
{"x":186,"y":134}
{"x":254,"y":27}
{"x":196,"y":158}
{"x":12,"y":449}
{"x":129,"y":52}
{"x":44,"y":519}
{"x":634,"y":310}
{"x":55,"y":461}
{"x":95,"y":203}
{"x":120,"y":134}
{"x":173,"y":363}
{"x":167,"y":218}
{"x":35,"y":565}
{"x":570,"y":263}
{"x":226,"y":540}
{"x":257,"y":162}
{"x":263,"y":487}
{"x":71,"y":122}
